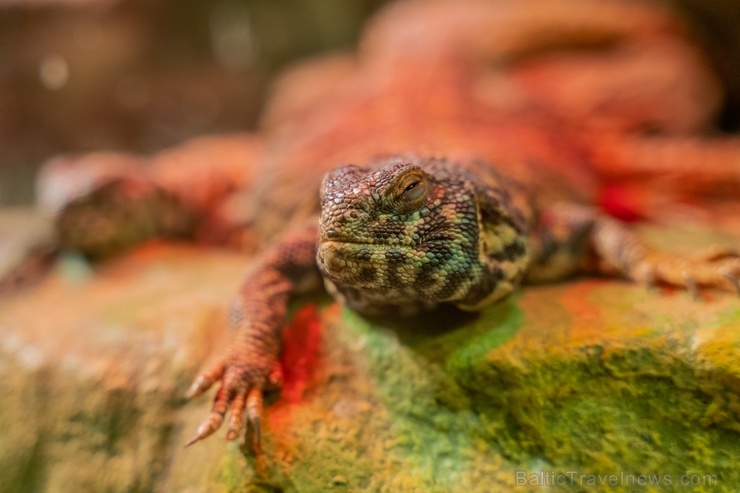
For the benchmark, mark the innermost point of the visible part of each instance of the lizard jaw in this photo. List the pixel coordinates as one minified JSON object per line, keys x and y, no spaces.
{"x":342,"y":260}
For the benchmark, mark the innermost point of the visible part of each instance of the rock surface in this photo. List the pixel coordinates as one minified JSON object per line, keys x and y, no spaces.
{"x":592,"y":376}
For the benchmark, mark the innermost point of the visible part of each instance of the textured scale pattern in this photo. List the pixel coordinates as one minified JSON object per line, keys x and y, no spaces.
{"x":418,"y":232}
{"x":410,"y":232}
{"x":533,"y":104}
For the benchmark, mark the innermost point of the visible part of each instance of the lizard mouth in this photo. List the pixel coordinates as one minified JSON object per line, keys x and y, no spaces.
{"x":331,"y":237}
{"x":358,"y":245}
{"x":332,"y":259}
{"x":342,"y":260}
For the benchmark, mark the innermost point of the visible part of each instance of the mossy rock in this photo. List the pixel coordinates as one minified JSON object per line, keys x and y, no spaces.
{"x":584,"y":379}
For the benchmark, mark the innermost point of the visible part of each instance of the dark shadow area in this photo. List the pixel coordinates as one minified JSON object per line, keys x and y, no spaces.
{"x":426,"y":325}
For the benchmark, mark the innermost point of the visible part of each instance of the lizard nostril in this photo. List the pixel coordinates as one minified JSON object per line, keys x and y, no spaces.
{"x":331,"y":234}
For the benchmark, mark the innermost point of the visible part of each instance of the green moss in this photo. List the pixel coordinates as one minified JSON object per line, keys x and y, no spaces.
{"x":642,"y":405}
{"x":638,"y":410}
{"x":344,"y":470}
{"x":433,"y":432}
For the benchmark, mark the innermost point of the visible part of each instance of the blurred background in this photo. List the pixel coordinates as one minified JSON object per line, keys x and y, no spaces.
{"x":141,"y":75}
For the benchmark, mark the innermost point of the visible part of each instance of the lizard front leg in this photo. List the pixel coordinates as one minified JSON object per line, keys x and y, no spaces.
{"x":573,"y":238}
{"x":250,"y":364}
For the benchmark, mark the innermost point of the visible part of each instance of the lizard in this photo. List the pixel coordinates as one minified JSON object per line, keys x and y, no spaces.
{"x":495,"y":193}
{"x":408,"y":233}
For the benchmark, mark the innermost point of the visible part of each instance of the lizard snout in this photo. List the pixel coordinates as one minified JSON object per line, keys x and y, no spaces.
{"x":330,"y":259}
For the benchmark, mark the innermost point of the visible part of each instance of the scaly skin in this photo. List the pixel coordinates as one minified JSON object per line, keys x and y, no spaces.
{"x":532,"y":103}
{"x":409,"y":233}
{"x":418,"y":232}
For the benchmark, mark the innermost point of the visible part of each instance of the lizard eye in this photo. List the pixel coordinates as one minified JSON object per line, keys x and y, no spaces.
{"x":413,"y":191}
{"x":411,"y":186}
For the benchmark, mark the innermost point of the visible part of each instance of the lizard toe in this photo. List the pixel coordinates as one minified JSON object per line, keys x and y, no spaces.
{"x":691,"y":287}
{"x":236,"y":416}
{"x":240,"y":395}
{"x":718,"y":253}
{"x":734,"y":280}
{"x":254,"y":406}
{"x":275,"y":379}
{"x":215,"y":418}
{"x":205,"y":380}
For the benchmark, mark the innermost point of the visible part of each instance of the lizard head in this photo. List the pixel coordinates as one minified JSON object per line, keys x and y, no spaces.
{"x":407,"y":229}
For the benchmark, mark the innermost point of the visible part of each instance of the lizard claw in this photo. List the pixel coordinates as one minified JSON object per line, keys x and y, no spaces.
{"x":214,"y":420}
{"x":648,"y":278}
{"x":251,"y":403}
{"x":205,"y":380}
{"x":254,"y":412}
{"x":237,"y":396}
{"x":715,"y":268}
{"x":733,"y":278}
{"x":236,"y":416}
{"x":690,"y":285}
